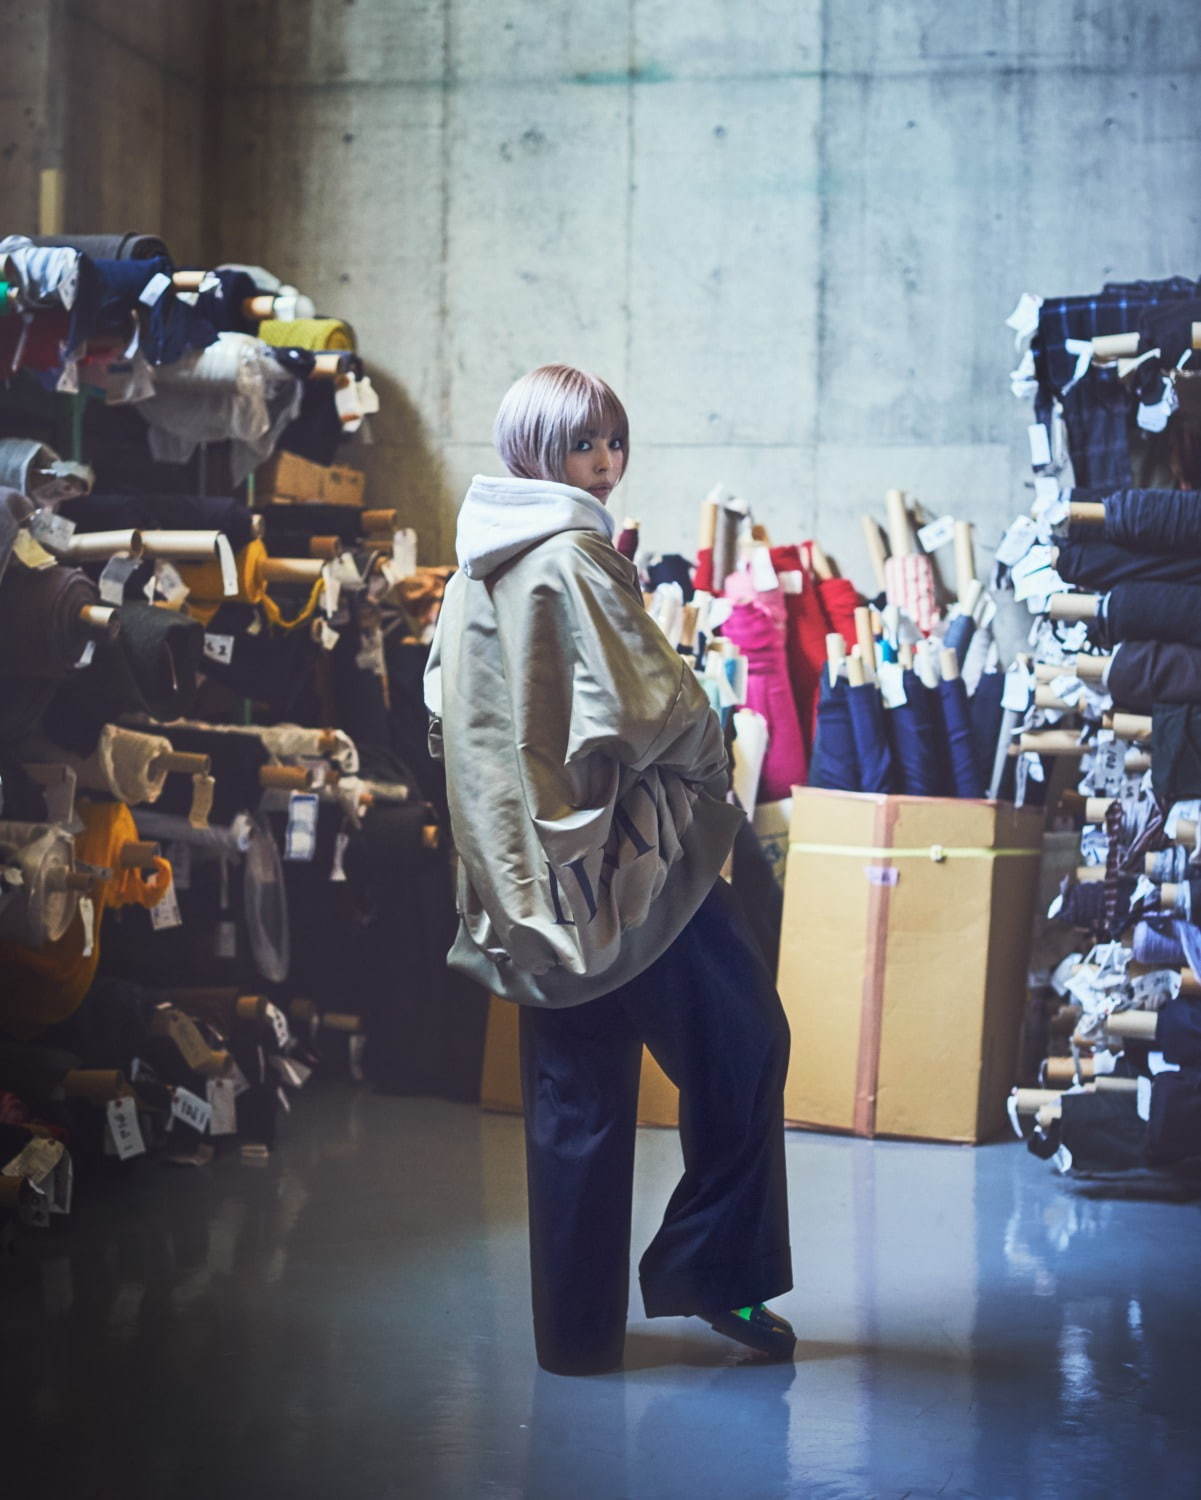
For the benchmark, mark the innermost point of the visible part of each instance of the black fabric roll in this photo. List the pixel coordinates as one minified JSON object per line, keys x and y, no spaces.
{"x":409,"y":720}
{"x":273,"y":667}
{"x":32,"y":1071}
{"x":1175,"y":752}
{"x":1154,"y":612}
{"x":672,"y":568}
{"x":1144,"y":673}
{"x":222,"y":304}
{"x":1143,"y":520}
{"x":1168,"y":328}
{"x":237,"y":760}
{"x":1084,"y":906}
{"x":129,"y":246}
{"x":149,"y":669}
{"x":1174,"y":1124}
{"x":316,"y":432}
{"x":1101,"y":565}
{"x":1178,"y":1033}
{"x":14,"y":510}
{"x":23,"y":702}
{"x":1103,"y":1131}
{"x":41,"y":634}
{"x":163,"y":512}
{"x":111,"y":1026}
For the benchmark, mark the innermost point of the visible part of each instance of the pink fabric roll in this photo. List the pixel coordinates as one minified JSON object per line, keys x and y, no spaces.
{"x":909,"y":584}
{"x":758,"y":625}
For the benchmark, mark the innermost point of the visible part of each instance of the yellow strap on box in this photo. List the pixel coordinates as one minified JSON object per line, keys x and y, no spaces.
{"x":935,"y":853}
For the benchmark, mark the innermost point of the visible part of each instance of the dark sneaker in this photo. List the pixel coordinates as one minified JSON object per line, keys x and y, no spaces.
{"x":758,"y":1328}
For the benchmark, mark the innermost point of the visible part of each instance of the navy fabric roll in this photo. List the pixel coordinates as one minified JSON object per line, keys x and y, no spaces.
{"x":986,"y":713}
{"x":834,"y":763}
{"x":110,"y":290}
{"x":1100,"y":565}
{"x":915,"y":736}
{"x":317,"y":430}
{"x":163,"y":512}
{"x":1154,"y":612}
{"x":1178,"y":1033}
{"x":960,"y":632}
{"x":671,"y":568}
{"x":1143,"y":520}
{"x":871,"y":738}
{"x":967,"y":779}
{"x":1174,"y":1126}
{"x":1144,"y":673}
{"x":1175,"y":752}
{"x":222,"y":303}
{"x":1168,"y":328}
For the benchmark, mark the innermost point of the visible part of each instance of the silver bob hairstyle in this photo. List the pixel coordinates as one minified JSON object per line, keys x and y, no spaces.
{"x":548,"y":410}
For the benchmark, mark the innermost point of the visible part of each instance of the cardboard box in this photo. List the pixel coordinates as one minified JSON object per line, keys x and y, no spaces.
{"x":500,"y":1087}
{"x":903,"y":960}
{"x":288,"y":479}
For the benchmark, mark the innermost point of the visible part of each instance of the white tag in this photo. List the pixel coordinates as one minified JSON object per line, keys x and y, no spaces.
{"x":1046,"y":492}
{"x":1152,"y":990}
{"x":1017,"y":541}
{"x":885,"y":875}
{"x":123,"y":1128}
{"x":229,"y":568}
{"x":763,"y":575}
{"x":225,"y":940}
{"x":1040,"y":445}
{"x":51,"y":529}
{"x":338,"y":869}
{"x":192,"y":1111}
{"x":1109,"y":766}
{"x":892,"y":684}
{"x":87,"y":915}
{"x":301,"y":842}
{"x":1015,"y":694}
{"x":404,"y":551}
{"x":165,"y":914}
{"x":279,"y":1023}
{"x":170,"y":585}
{"x":327,"y":635}
{"x":1024,"y":318}
{"x":86,"y":656}
{"x":291,"y":1072}
{"x":116,"y":574}
{"x":221,"y":1099}
{"x":237,"y":1079}
{"x":1144,"y":1099}
{"x":792,"y":582}
{"x":331,"y":590}
{"x":219,"y":648}
{"x":154,"y":289}
{"x":37,"y":1160}
{"x":179,"y":856}
{"x":1063,"y":1160}
{"x":937,"y":534}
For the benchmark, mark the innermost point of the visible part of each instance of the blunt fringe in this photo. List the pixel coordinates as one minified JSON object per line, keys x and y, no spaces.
{"x":545,"y":411}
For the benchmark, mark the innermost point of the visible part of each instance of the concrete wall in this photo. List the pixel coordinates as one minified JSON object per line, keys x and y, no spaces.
{"x":115,"y":93}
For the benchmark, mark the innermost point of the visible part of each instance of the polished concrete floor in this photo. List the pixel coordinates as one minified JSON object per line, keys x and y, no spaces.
{"x":351,"y":1321}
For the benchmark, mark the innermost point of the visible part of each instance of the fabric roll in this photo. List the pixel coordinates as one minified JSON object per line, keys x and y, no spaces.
{"x":1175,"y":752}
{"x":20,"y":459}
{"x":702,"y":577}
{"x":959,"y":636}
{"x":33,"y":1073}
{"x":1085,"y":906}
{"x":110,"y":290}
{"x":1153,"y":612}
{"x":725,"y":547}
{"x":1174,"y":1123}
{"x":236,"y":763}
{"x":671,"y":568}
{"x":871,"y":738}
{"x":222,"y":298}
{"x":1103,"y":1132}
{"x":835,"y":763}
{"x":23,"y":703}
{"x":129,"y":246}
{"x":1178,"y":1033}
{"x":275,"y":669}
{"x":750,"y":747}
{"x":207,"y":590}
{"x":15,"y":510}
{"x":916,"y":738}
{"x":987,"y":714}
{"x":839,"y":600}
{"x":40,"y":909}
{"x":1160,"y":948}
{"x":1169,"y":328}
{"x":909,"y":584}
{"x":45,"y":985}
{"x":808,"y":626}
{"x":308,"y":333}
{"x":316,"y":432}
{"x":966,"y":777}
{"x":627,"y":543}
{"x":34,"y":344}
{"x":757,"y":628}
{"x":41,"y":634}
{"x":123,"y":765}
{"x":1144,"y":673}
{"x":99,"y":512}
{"x":1159,"y":521}
{"x":1100,"y":565}
{"x":290,"y":743}
{"x":149,"y":669}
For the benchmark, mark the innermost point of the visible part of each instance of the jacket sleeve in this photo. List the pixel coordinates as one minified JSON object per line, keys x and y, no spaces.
{"x":633,"y":696}
{"x":432,"y":691}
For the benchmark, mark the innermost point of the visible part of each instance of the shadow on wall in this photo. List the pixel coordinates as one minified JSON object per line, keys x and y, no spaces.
{"x":405,"y":470}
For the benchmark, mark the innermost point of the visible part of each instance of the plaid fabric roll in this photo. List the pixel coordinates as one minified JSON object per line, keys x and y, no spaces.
{"x":909,"y":584}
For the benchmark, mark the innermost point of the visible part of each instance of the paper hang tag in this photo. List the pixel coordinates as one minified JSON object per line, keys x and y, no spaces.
{"x":791,"y":582}
{"x":155,"y":289}
{"x":237,"y":1080}
{"x":331,"y":590}
{"x":186,"y":1107}
{"x":179,"y":855}
{"x":184,"y":1032}
{"x":30,"y":553}
{"x":1109,"y":766}
{"x":219,"y":648}
{"x":1040,"y":445}
{"x":937,"y":534}
{"x":892,"y":684}
{"x":51,"y":529}
{"x":62,"y":1185}
{"x":225,"y":940}
{"x":203,"y":788}
{"x":343,"y":569}
{"x":338,"y":868}
{"x":37,"y":1160}
{"x":117,"y":573}
{"x":279,"y":1024}
{"x":404,"y":551}
{"x":1152,"y":990}
{"x":165,"y":914}
{"x":1017,"y":541}
{"x":229,"y":568}
{"x":170,"y":585}
{"x":1015,"y":694}
{"x":222,"y":1102}
{"x":124,"y":1130}
{"x":327,"y":636}
{"x":301,"y":839}
{"x":763,"y":575}
{"x":87,"y":916}
{"x":86,"y":656}
{"x":1024,"y":318}
{"x":1046,"y":492}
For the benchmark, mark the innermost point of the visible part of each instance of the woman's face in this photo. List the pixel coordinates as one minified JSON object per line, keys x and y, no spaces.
{"x":594,"y":463}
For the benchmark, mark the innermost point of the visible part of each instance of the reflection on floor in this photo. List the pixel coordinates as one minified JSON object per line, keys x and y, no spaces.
{"x":352,"y":1321}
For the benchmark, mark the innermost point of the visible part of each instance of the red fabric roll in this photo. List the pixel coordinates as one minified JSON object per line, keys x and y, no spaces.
{"x":703,"y":577}
{"x":806,"y":635}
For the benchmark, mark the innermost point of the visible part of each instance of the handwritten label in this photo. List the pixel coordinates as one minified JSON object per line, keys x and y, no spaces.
{"x":197,"y":1113}
{"x":123,"y":1129}
{"x":937,"y":534}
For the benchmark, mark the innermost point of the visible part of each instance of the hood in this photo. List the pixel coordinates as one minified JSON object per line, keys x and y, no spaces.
{"x":502,"y":517}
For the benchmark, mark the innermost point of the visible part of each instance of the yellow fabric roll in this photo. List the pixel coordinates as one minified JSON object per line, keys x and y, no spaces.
{"x":206,"y":591}
{"x":45,"y":985}
{"x":307,"y":333}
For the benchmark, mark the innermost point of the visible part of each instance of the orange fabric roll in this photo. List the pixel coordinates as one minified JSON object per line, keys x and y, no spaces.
{"x":206,"y":592}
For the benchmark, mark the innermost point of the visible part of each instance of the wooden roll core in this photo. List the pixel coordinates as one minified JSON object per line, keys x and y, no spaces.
{"x":1186,"y":833}
{"x":1133,"y":1025}
{"x":188,"y":281}
{"x":1113,"y":1083}
{"x":379,"y":520}
{"x":1047,"y":671}
{"x":1086,"y":512}
{"x":1091,"y":668}
{"x":866,"y":641}
{"x":101,"y":619}
{"x":836,"y":654}
{"x":1108,"y":346}
{"x":431,"y":836}
{"x":302,"y":1011}
{"x":965,"y":562}
{"x":328,"y":366}
{"x":1052,"y":742}
{"x":1096,"y":808}
{"x":856,"y":675}
{"x":286,"y":778}
{"x":93,"y":546}
{"x":876,"y":551}
{"x":1073,"y":606}
{"x":259,"y":308}
{"x":1061,"y":1072}
{"x":292,"y":569}
{"x":949,"y":661}
{"x":138,"y":855}
{"x":333,"y":1020}
{"x":183,"y":761}
{"x":900,"y":531}
{"x":186,"y":545}
{"x":97,"y":1085}
{"x":905,"y":656}
{"x":1046,"y":697}
{"x":1090,"y":874}
{"x":708,"y":535}
{"x":1030,"y":1101}
{"x":822,"y":567}
{"x":1169,"y":894}
{"x":325,"y":547}
{"x":1137,"y":761}
{"x":688,"y":621}
{"x":1065,"y":1020}
{"x":1130,"y":726}
{"x":71,"y":880}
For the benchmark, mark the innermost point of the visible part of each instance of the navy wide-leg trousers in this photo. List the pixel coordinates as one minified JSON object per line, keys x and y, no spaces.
{"x":708,"y":1011}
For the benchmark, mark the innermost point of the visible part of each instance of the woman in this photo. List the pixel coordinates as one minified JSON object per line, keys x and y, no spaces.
{"x":586,"y":776}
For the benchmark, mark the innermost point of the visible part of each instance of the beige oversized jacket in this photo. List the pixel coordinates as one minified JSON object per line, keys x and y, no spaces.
{"x":578,"y":745}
